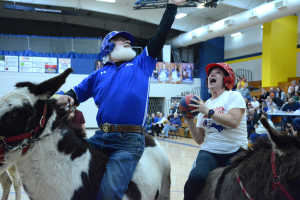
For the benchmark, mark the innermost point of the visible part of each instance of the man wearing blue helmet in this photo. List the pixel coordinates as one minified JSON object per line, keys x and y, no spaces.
{"x":121,"y":91}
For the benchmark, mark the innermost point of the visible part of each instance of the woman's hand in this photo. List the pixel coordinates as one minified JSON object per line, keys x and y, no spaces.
{"x":200,"y":105}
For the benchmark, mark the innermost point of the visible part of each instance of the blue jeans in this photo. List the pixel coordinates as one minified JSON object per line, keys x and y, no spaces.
{"x":254,"y":136}
{"x":250,"y":128}
{"x":167,"y":128}
{"x":124,"y":151}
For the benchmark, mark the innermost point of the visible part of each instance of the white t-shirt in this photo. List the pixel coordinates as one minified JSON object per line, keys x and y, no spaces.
{"x":219,"y":138}
{"x":255,"y":104}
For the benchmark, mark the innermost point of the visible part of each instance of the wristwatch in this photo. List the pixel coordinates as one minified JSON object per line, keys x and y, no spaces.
{"x":210,"y":113}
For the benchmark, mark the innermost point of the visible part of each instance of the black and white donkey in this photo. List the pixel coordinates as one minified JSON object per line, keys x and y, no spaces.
{"x":55,"y":161}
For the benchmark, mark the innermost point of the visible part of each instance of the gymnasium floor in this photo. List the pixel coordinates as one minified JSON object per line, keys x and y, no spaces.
{"x":181,"y":152}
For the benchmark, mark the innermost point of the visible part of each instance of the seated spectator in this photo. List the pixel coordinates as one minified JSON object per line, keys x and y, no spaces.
{"x":175,"y":104}
{"x":75,"y":117}
{"x":296,"y":99}
{"x":276,"y":100}
{"x":272,"y":106}
{"x":160,"y":124}
{"x":290,"y":130}
{"x":280,"y":94}
{"x":289,"y":108}
{"x":252,"y":119}
{"x":173,"y":125}
{"x":289,"y":95}
{"x":246,"y":83}
{"x":255,"y":103}
{"x":249,"y":106}
{"x":263,"y":95}
{"x":297,"y":93}
{"x":260,"y":130}
{"x":263,"y":107}
{"x":247,"y":93}
{"x":292,"y":91}
{"x":148,"y":123}
{"x":294,"y":85}
{"x":241,"y":81}
{"x":239,"y":89}
{"x":152,"y":125}
{"x":246,"y":101}
{"x":172,"y":110}
{"x":272,"y":90}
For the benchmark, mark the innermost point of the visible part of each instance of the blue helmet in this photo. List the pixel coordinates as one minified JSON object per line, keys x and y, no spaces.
{"x":107,"y":46}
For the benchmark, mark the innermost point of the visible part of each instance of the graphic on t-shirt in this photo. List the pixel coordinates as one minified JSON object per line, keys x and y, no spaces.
{"x":209,"y":125}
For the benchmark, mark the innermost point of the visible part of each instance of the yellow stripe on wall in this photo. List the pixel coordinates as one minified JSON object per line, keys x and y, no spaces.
{"x":246,"y":59}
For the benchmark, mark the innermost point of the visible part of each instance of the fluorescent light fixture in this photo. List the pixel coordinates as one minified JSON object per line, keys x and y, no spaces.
{"x":236,"y":34}
{"x":262,"y":26}
{"x":110,"y":1}
{"x":180,"y":15}
{"x":200,"y":6}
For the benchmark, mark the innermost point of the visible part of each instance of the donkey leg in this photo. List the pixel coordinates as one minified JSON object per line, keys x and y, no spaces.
{"x":165,"y":188}
{"x":16,"y":181}
{"x":6,"y":184}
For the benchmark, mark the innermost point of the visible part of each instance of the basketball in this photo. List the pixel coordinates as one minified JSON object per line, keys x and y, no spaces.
{"x":184,"y":107}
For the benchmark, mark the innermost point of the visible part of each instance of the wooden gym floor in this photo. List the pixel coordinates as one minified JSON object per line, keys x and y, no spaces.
{"x":181,"y":152}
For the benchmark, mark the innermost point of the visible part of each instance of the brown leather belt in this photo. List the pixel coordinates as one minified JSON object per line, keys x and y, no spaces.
{"x":107,"y":128}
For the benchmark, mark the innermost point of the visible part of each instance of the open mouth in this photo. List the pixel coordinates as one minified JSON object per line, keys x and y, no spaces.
{"x":213,"y":80}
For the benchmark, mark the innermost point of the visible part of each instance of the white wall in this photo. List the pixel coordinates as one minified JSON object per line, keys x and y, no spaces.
{"x":254,"y":66}
{"x":8,"y":81}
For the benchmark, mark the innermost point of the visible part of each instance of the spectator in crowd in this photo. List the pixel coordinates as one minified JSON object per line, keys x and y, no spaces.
{"x":276,"y":100}
{"x":152,"y":125}
{"x":241,"y":81}
{"x":260,"y":130}
{"x":297,"y":93}
{"x":255,"y":103}
{"x":289,"y":95}
{"x":290,"y":130}
{"x":75,"y":117}
{"x":247,"y":93}
{"x":294,"y":84}
{"x":289,"y":108}
{"x":172,"y":110}
{"x":175,"y":123}
{"x":280,"y":94}
{"x":292,"y":90}
{"x":296,"y":99}
{"x":263,"y":108}
{"x":246,"y":101}
{"x":272,"y":90}
{"x":246,"y":83}
{"x":252,"y":119}
{"x":160,"y":124}
{"x":271,"y":106}
{"x":175,"y":104}
{"x":263,"y":95}
{"x":148,"y":123}
{"x":249,"y":106}
{"x":240,"y":89}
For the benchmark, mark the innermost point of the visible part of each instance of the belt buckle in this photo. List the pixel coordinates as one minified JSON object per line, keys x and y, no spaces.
{"x":106,"y":127}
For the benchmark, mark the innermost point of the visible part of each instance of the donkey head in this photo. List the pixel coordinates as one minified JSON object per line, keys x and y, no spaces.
{"x":287,"y":151}
{"x":21,"y":110}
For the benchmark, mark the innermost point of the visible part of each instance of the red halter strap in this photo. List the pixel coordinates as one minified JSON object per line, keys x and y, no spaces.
{"x":23,"y":136}
{"x":276,"y":178}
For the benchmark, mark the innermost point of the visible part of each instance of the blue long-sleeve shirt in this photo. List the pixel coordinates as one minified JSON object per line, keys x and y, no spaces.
{"x":176,"y":121}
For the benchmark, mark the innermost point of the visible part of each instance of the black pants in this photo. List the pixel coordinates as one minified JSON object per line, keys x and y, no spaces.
{"x":158,"y":129}
{"x":205,"y":163}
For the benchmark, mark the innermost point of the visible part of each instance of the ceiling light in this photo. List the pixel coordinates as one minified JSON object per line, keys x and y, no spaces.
{"x":180,"y":15}
{"x":201,"y":5}
{"x":262,"y":26}
{"x":110,"y":1}
{"x":236,"y":34}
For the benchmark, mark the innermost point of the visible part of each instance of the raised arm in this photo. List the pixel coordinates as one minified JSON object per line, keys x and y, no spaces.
{"x":158,"y":40}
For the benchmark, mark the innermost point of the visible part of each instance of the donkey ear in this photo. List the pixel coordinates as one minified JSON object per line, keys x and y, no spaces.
{"x":51,"y":86}
{"x":277,"y":139}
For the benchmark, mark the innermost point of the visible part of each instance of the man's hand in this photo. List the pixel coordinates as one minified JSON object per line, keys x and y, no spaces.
{"x":65,"y":99}
{"x":72,"y":115}
{"x":177,"y":2}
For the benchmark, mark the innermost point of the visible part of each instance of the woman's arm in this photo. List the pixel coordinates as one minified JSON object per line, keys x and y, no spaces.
{"x":198,"y":134}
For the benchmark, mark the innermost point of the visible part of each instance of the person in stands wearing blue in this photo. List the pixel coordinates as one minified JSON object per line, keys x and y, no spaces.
{"x":289,"y":108}
{"x":121,"y":91}
{"x":175,"y":122}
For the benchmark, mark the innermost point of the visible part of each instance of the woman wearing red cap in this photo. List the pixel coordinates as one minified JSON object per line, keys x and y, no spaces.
{"x":221,"y":127}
